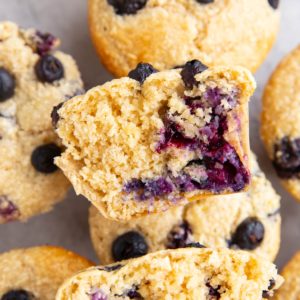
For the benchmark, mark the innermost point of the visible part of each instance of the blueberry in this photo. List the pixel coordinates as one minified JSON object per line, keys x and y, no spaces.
{"x":42,"y":158}
{"x":194,"y":245}
{"x":111,"y":268}
{"x":249,"y":234}
{"x":8,"y":210}
{"x":7,"y":85}
{"x":134,"y":294}
{"x":127,"y":7}
{"x":190,"y":69}
{"x":141,"y":72}
{"x":129,"y":245}
{"x":287,"y":157}
{"x":45,"y":42}
{"x":213,"y":293}
{"x":274,"y":3}
{"x":49,"y":69}
{"x":205,"y":1}
{"x":180,"y":236}
{"x":267,"y":294}
{"x":55,"y":115}
{"x":18,"y":295}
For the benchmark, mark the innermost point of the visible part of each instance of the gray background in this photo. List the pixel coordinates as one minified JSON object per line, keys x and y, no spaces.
{"x":67,"y":224}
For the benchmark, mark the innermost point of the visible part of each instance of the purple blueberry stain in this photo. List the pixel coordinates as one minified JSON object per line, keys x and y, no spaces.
{"x":148,"y":189}
{"x":180,"y":236}
{"x":267,"y":294}
{"x":8,"y":210}
{"x":98,"y":294}
{"x":218,"y":166}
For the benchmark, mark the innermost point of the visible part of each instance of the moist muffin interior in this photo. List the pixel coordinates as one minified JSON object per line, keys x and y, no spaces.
{"x":152,"y":140}
{"x":192,"y":273}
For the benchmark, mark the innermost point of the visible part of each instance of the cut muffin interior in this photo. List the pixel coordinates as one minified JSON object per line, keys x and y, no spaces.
{"x":155,"y":137}
{"x":188,"y":273}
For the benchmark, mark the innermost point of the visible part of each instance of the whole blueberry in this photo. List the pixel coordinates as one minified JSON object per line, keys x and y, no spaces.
{"x":17,"y":295}
{"x":190,"y":69}
{"x":42,"y":158}
{"x":141,"y":72}
{"x":7,"y":85}
{"x":49,"y":69}
{"x":249,"y":234}
{"x":129,"y":245}
{"x":274,"y":3}
{"x":205,"y":1}
{"x":127,"y":7}
{"x":287,"y":157}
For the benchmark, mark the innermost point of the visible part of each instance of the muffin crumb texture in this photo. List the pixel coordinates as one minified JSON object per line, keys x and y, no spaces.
{"x":190,"y":273}
{"x":138,"y":146}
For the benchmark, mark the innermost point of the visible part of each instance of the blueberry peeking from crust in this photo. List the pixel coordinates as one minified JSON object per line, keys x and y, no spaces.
{"x":213,"y":293}
{"x":127,"y":7}
{"x":7,"y":85}
{"x":249,"y":234}
{"x":18,"y":295}
{"x":49,"y":69}
{"x":180,"y":236}
{"x":55,"y":115}
{"x":42,"y":158}
{"x":141,"y":72}
{"x":205,"y":1}
{"x":111,"y":268}
{"x":287,"y":157}
{"x":129,"y":245}
{"x":274,"y":3}
{"x":194,"y":245}
{"x":190,"y":69}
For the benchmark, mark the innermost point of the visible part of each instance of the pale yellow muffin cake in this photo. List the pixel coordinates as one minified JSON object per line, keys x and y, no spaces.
{"x":194,"y":274}
{"x":167,"y":33}
{"x":143,"y":143}
{"x":36,"y":273}
{"x":290,"y":290}
{"x":34,"y":77}
{"x":280,"y":121}
{"x":248,"y":221}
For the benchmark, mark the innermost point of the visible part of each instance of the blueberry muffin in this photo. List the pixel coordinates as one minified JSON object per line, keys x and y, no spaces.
{"x":34,"y":77}
{"x":290,"y":290}
{"x":167,"y":33}
{"x":36,"y":273}
{"x":280,"y":124}
{"x":248,"y":221}
{"x":189,"y":273}
{"x":152,"y":140}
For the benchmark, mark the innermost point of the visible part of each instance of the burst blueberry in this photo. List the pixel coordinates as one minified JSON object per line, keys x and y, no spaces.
{"x":129,"y":245}
{"x":49,"y":69}
{"x":7,"y":85}
{"x":42,"y":158}
{"x":55,"y":115}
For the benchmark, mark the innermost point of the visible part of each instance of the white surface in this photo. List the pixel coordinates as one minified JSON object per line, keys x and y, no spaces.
{"x":67,"y":224}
